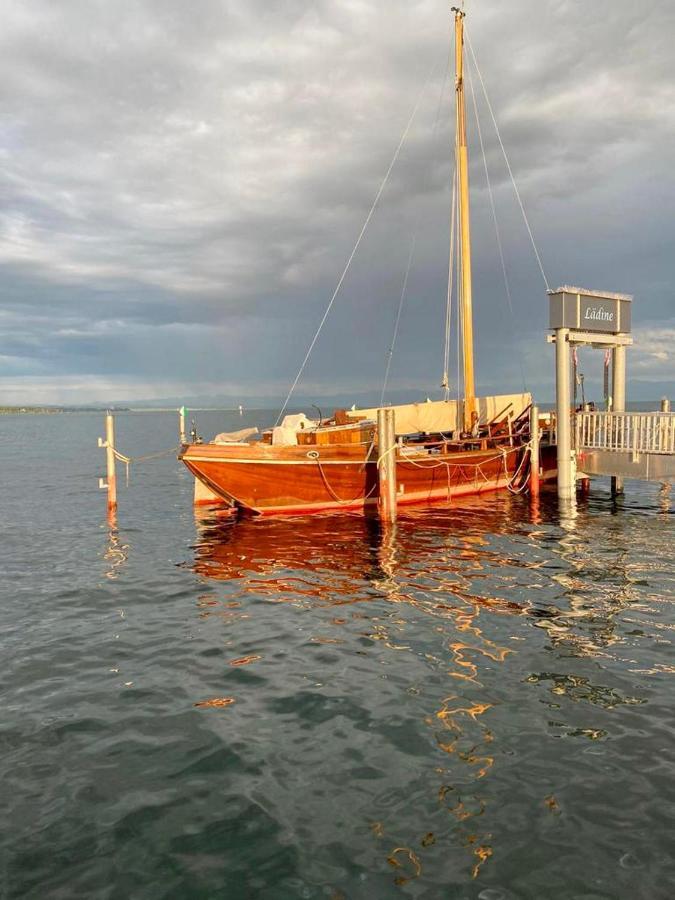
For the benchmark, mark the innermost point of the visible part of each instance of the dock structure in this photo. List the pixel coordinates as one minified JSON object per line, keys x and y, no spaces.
{"x":612,"y":442}
{"x":626,"y":445}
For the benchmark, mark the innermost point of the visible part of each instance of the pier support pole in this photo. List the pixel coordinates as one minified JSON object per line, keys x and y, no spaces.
{"x":618,"y":398}
{"x":566,"y":486}
{"x":386,"y":464}
{"x":534,"y":452}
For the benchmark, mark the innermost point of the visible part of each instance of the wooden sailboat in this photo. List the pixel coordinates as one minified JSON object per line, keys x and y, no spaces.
{"x":445,"y":449}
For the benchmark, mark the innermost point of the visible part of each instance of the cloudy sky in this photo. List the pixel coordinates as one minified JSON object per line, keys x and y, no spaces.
{"x":182,"y":183}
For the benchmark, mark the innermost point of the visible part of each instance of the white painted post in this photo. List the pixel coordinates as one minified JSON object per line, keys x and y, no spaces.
{"x":566,"y":486}
{"x":181,"y":425}
{"x":618,"y":397}
{"x":534,"y":452}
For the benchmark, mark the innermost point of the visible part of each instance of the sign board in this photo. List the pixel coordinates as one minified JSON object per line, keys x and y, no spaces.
{"x":584,"y":310}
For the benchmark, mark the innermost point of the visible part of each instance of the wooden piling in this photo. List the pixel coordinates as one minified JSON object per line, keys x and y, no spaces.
{"x":386,"y":464}
{"x":108,"y":443}
{"x":534,"y":452}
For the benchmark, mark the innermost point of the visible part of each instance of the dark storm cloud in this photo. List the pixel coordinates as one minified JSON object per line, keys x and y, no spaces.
{"x":182,"y":183}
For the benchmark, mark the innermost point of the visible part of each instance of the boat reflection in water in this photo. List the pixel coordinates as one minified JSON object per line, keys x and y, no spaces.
{"x":441,"y":602}
{"x":429,"y":590}
{"x":502,"y":556}
{"x":348,"y":546}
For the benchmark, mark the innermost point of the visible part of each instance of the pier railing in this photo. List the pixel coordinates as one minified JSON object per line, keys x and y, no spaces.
{"x":630,"y":432}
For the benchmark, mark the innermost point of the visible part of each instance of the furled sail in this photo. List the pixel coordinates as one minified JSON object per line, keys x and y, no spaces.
{"x":446,"y":416}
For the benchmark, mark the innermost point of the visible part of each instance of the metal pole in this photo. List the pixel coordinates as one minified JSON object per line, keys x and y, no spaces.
{"x":618,"y":398}
{"x":566,"y":487}
{"x":534,"y":452}
{"x":181,"y":425}
{"x":386,"y":464}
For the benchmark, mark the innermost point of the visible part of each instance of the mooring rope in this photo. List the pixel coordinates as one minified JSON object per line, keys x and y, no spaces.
{"x":335,"y":497}
{"x":128,"y":460}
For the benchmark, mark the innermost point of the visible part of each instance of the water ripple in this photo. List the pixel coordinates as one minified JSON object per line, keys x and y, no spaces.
{"x":475,"y":703}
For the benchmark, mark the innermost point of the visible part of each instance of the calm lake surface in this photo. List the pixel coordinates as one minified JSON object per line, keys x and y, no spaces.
{"x":476,"y":704}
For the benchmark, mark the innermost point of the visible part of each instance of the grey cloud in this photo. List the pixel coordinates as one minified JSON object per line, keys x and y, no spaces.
{"x":181,"y":186}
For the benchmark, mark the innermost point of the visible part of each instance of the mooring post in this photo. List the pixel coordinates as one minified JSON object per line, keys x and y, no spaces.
{"x":566,"y":486}
{"x":109,"y":444}
{"x":393,"y":480}
{"x":534,"y":451}
{"x":386,"y":464}
{"x":181,"y":425}
{"x":618,"y":398}
{"x":111,"y":475}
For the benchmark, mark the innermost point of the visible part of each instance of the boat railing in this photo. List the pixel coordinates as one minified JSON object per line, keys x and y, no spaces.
{"x":482,"y":442}
{"x":630,"y":432}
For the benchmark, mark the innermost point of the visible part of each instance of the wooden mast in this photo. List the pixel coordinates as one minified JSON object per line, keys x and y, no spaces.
{"x":464,"y":225}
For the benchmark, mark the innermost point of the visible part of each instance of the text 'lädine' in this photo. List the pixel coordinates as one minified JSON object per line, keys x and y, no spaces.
{"x":598,"y":314}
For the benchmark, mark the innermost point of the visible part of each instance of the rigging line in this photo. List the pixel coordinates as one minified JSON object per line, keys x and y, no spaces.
{"x":494,"y":218}
{"x":415,"y":232}
{"x":451,"y":268}
{"x":356,"y":245}
{"x":398,"y":316}
{"x":508,"y":164}
{"x":448,"y":310}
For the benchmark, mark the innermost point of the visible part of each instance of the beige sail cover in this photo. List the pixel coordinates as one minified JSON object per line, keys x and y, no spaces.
{"x":446,"y":415}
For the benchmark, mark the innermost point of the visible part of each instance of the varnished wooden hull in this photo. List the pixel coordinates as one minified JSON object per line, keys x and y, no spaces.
{"x":265,"y":480}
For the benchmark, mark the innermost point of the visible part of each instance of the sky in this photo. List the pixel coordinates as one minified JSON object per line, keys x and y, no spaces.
{"x":181,"y":185}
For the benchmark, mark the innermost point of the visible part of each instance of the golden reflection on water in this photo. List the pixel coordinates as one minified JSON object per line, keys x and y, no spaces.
{"x":450,"y":567}
{"x":665,"y":500}
{"x":355,"y":561}
{"x":116,"y":553}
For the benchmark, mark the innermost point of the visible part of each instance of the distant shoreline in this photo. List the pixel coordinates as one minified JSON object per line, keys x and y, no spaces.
{"x":632,"y":405}
{"x":54,"y":410}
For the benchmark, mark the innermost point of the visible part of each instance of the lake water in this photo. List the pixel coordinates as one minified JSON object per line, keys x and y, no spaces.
{"x":476,"y":704}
